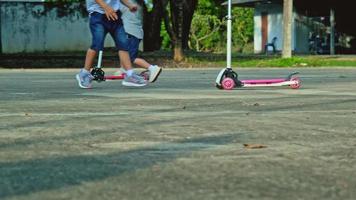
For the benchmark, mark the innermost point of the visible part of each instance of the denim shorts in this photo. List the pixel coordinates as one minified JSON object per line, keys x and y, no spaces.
{"x":132,"y":45}
{"x":100,"y":26}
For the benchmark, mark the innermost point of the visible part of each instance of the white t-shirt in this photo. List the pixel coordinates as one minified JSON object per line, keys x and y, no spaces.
{"x":92,"y":6}
{"x":132,"y":20}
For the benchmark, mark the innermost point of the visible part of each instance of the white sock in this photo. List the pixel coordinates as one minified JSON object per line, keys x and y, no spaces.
{"x":151,"y":67}
{"x":129,"y":72}
{"x":86,"y":70}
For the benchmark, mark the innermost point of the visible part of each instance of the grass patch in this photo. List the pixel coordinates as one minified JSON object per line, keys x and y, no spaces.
{"x":164,"y":58}
{"x":277,"y":61}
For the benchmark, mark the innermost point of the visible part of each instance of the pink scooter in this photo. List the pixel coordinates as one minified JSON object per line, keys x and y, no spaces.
{"x":99,"y":74}
{"x":228,"y":79}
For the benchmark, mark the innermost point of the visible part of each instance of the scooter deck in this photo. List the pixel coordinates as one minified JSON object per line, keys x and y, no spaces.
{"x":263,"y":81}
{"x":271,"y":84}
{"x":115,"y":77}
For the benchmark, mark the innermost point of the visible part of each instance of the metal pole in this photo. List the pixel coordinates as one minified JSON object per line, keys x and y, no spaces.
{"x":228,"y":52}
{"x":100,"y":59}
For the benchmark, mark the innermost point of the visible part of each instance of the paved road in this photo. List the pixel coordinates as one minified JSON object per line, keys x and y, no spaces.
{"x":179,"y":138}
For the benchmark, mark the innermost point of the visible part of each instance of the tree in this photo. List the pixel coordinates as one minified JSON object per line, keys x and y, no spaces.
{"x":177,"y":27}
{"x":152,"y":25}
{"x":177,"y":23}
{"x":208,"y":32}
{"x":189,"y":7}
{"x":181,"y":17}
{"x":287,"y":28}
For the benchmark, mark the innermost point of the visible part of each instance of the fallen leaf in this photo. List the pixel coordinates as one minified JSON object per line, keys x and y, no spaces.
{"x":254,"y":146}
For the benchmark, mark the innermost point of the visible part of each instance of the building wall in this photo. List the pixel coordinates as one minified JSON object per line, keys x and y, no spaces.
{"x":275,"y":29}
{"x":274,"y":25}
{"x":37,"y":27}
{"x":302,"y":31}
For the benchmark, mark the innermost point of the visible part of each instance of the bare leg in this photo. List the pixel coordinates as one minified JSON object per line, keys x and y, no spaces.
{"x":142,"y":63}
{"x":139,"y":62}
{"x":89,"y":59}
{"x":125,"y":60}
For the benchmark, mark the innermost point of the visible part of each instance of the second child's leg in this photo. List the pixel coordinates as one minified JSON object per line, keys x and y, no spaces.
{"x":131,"y":78}
{"x":142,"y":63}
{"x":153,"y":69}
{"x":132,"y":46}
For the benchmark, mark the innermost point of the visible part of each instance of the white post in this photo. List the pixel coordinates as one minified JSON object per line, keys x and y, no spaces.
{"x":228,"y":52}
{"x":332,"y":31}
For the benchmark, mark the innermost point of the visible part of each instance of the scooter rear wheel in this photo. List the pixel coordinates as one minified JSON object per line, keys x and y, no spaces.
{"x":297,"y":85}
{"x":145,"y":74}
{"x":228,"y":83}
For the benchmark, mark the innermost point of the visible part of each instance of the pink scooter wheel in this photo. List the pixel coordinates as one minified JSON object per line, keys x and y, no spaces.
{"x":297,"y":85}
{"x":145,"y":74}
{"x":228,"y":83}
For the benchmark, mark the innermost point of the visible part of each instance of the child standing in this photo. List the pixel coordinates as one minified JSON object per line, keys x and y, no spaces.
{"x":133,"y":27}
{"x":105,"y":17}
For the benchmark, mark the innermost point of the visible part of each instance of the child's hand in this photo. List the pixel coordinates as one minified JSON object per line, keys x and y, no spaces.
{"x":110,"y":13}
{"x":133,"y":7}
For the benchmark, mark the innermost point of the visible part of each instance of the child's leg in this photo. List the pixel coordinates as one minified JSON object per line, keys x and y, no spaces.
{"x":98,"y":32}
{"x":142,"y":63}
{"x":121,"y":42}
{"x":153,"y":69}
{"x":89,"y":59}
{"x":120,"y":37}
{"x":125,"y":60}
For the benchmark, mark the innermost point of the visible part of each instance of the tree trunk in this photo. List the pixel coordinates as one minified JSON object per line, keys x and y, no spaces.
{"x":189,"y":7}
{"x":177,"y":25}
{"x":287,"y":28}
{"x":152,"y":26}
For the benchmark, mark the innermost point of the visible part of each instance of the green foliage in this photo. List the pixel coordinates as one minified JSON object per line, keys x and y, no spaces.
{"x":208,"y":30}
{"x":204,"y":32}
{"x":209,"y":7}
{"x":253,"y":60}
{"x":166,"y":40}
{"x":242,"y":27}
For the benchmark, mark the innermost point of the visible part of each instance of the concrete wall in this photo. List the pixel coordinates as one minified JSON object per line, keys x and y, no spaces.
{"x":37,"y":27}
{"x":275,"y":29}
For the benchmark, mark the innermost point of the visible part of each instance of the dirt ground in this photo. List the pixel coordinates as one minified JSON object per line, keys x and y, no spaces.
{"x":179,"y":138}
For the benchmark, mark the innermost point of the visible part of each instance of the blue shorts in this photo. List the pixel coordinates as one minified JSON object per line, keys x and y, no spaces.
{"x":100,"y":26}
{"x":132,"y":45}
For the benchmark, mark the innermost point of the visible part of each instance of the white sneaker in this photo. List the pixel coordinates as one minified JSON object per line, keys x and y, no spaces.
{"x":84,"y":79}
{"x":134,"y":81}
{"x":154,"y":73}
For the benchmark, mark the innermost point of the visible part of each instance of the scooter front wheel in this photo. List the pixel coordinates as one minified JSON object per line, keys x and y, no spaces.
{"x":228,"y":83}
